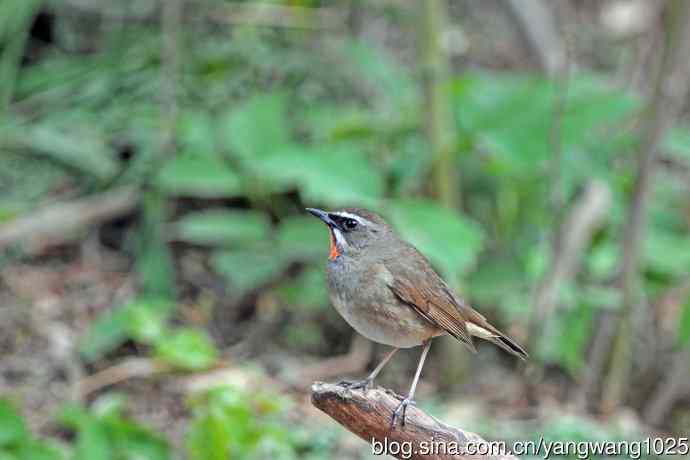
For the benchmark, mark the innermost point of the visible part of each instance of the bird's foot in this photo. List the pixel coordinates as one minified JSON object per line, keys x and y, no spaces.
{"x":401,"y":411}
{"x":357,"y":384}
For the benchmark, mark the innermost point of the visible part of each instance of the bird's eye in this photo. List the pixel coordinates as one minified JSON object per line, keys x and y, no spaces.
{"x":350,"y":224}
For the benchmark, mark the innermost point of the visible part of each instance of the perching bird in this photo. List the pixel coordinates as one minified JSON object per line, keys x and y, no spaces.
{"x":388,"y":292}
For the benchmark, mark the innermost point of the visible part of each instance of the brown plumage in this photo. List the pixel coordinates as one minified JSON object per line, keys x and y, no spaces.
{"x":389,"y":292}
{"x":419,"y":286}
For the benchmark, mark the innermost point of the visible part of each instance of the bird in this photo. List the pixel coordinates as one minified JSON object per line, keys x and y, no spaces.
{"x":389,"y":292}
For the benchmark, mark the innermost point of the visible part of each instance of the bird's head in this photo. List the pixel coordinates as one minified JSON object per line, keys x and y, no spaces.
{"x":352,"y":230}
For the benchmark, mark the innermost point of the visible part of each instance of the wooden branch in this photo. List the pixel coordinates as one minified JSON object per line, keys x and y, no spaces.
{"x":125,"y":370}
{"x":586,"y":216}
{"x":368,"y":415}
{"x":57,"y":221}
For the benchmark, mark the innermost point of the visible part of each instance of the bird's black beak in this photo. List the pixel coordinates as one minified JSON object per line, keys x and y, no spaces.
{"x":323,"y":215}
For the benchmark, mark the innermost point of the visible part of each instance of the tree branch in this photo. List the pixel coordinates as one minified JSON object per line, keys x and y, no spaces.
{"x":574,"y":236}
{"x":57,"y":221}
{"x":368,"y":414}
{"x":671,"y":90}
{"x":437,"y":108}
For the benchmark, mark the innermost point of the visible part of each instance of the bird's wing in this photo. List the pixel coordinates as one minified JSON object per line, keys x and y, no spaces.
{"x":417,"y":285}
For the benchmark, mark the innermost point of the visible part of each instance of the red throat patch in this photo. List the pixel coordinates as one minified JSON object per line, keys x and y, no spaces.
{"x":334,"y":246}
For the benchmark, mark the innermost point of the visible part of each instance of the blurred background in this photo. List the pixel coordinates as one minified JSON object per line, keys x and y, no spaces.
{"x":162,"y":291}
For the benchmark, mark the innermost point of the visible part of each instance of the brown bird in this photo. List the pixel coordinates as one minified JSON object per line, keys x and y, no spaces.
{"x":388,"y":292}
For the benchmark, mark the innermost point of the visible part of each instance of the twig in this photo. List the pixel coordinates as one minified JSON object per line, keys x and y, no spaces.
{"x":676,"y":376}
{"x":675,"y":167}
{"x":539,"y":27}
{"x":576,"y":232}
{"x":676,"y":382}
{"x":55,"y":222}
{"x":670,"y":92}
{"x":368,"y":414}
{"x":436,"y":102}
{"x":597,"y":360}
{"x":124,"y":370}
{"x":326,"y":18}
{"x":171,"y":16}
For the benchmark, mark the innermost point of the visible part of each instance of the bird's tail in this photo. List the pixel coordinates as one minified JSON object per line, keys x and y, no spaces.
{"x":487,"y":332}
{"x":509,"y":345}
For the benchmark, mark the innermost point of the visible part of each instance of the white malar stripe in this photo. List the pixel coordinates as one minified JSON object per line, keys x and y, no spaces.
{"x":359,"y":219}
{"x":477,"y":331}
{"x":339,"y":238}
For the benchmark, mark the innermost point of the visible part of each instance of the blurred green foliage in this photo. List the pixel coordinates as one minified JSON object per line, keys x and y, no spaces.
{"x":17,"y":443}
{"x":227,"y":422}
{"x":145,"y":321}
{"x":104,"y":432}
{"x":230,"y":423}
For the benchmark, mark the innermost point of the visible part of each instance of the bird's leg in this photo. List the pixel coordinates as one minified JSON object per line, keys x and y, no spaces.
{"x":402,"y":407}
{"x":367,"y":382}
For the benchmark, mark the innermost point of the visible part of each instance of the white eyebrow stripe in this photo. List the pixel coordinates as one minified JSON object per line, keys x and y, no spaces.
{"x":359,"y":219}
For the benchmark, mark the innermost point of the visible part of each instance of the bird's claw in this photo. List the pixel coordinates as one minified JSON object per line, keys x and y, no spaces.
{"x":357,"y":384}
{"x":401,"y":410}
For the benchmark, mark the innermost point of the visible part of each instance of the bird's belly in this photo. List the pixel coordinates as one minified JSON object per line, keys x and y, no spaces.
{"x":390,"y":323}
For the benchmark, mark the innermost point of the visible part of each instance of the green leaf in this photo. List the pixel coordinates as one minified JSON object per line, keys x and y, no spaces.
{"x":199,"y":175}
{"x":154,"y":261}
{"x":498,"y":281}
{"x":12,"y":427}
{"x":146,"y":324}
{"x":307,"y":291}
{"x":303,"y":238}
{"x":667,"y":252}
{"x":600,"y":296}
{"x":104,"y":433}
{"x":216,"y":226}
{"x":336,"y":176}
{"x":209,"y":436}
{"x":677,"y":142}
{"x":84,"y":152}
{"x":602,"y":260}
{"x":257,"y":128}
{"x":450,"y":240}
{"x":37,"y":450}
{"x":335,"y":123}
{"x":383,"y":75}
{"x":92,"y":442}
{"x":109,"y":406}
{"x":141,"y":319}
{"x":196,"y":132}
{"x":573,"y":333}
{"x":105,"y":334}
{"x":132,"y":441}
{"x":247,"y":270}
{"x":187,"y":349}
{"x":487,"y":106}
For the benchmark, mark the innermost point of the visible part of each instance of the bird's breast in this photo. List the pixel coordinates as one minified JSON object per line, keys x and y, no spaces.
{"x":364,"y":300}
